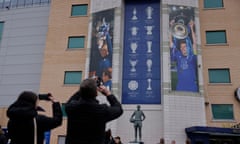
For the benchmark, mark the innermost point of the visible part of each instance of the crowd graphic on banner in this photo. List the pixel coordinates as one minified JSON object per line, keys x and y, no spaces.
{"x":101,"y":51}
{"x":183,"y":49}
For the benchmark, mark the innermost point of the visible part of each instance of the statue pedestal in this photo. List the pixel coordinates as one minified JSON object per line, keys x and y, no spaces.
{"x":136,"y":142}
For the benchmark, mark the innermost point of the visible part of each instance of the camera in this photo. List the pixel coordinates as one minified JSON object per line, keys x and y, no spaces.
{"x":99,"y":81}
{"x":44,"y":96}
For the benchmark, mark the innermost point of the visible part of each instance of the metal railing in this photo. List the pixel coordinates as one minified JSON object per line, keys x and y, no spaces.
{"x":9,"y":4}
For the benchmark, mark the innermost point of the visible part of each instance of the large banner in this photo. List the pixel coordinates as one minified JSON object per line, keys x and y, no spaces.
{"x":101,"y":46}
{"x":183,"y":49}
{"x":141,"y":83}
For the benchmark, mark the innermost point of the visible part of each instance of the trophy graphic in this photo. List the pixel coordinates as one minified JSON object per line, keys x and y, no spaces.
{"x":134,"y":47}
{"x":149,"y":30}
{"x":149,"y":46}
{"x":133,"y":63}
{"x":149,"y":11}
{"x":134,"y":31}
{"x":133,"y":85}
{"x":149,"y":65}
{"x":149,"y":84}
{"x":134,"y":17}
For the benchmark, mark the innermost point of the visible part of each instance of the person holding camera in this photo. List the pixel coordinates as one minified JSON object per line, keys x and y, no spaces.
{"x":86,"y":117}
{"x":25,"y":125}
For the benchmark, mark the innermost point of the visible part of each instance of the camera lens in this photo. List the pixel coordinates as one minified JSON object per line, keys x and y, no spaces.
{"x":99,"y":81}
{"x":43,"y":97}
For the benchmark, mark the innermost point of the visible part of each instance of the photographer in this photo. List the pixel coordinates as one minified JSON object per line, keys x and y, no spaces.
{"x":86,"y":117}
{"x":24,"y":119}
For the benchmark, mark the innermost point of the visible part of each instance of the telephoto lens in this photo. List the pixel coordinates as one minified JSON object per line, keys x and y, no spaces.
{"x":44,"y":96}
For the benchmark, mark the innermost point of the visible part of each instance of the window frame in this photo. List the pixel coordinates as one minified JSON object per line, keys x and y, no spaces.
{"x":207,"y":36}
{"x":79,"y":5}
{"x":65,"y":81}
{"x":222,"y":119}
{"x":210,"y":81}
{"x":221,"y":2}
{"x":80,"y":46}
{"x":1,"y":30}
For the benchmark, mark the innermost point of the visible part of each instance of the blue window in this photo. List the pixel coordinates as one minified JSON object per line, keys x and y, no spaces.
{"x":213,"y":3}
{"x":79,"y":10}
{"x":14,"y":3}
{"x":20,"y":3}
{"x":45,"y":1}
{"x":1,"y":3}
{"x":6,"y":3}
{"x":222,"y":111}
{"x":216,"y":37}
{"x":28,"y":2}
{"x":63,"y":110}
{"x":40,"y":1}
{"x":72,"y":77}
{"x":219,"y":76}
{"x":76,"y":42}
{"x":1,"y":30}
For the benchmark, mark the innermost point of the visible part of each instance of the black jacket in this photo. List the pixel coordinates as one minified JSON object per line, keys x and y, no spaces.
{"x":21,"y":124}
{"x":3,"y":138}
{"x":87,"y":119}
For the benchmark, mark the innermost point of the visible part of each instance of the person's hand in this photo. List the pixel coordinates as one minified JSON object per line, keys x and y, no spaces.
{"x":102,"y":89}
{"x":51,"y":98}
{"x":191,"y":24}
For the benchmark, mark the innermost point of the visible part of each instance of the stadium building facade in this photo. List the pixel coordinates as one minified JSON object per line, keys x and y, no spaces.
{"x":175,"y":58}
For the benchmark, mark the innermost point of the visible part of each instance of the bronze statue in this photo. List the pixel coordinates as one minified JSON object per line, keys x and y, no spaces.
{"x":137,"y":118}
